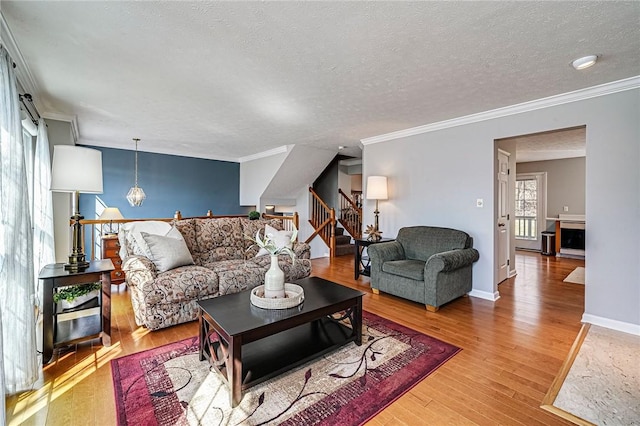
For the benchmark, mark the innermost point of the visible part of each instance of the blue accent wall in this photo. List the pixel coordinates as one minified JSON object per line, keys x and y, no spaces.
{"x":191,"y":185}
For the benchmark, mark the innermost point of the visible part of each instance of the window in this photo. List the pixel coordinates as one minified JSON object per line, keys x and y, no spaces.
{"x":526,"y":208}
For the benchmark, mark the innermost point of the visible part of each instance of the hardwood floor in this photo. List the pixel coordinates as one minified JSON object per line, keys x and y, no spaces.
{"x":511,"y":351}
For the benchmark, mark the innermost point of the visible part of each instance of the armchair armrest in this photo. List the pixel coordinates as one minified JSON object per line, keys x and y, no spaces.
{"x":139,"y":270}
{"x":452,"y":260}
{"x":382,"y":252}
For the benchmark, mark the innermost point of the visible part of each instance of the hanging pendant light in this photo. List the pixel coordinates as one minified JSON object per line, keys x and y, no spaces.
{"x":136,"y":195}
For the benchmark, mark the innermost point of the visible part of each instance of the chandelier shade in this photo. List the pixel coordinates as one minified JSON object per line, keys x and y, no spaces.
{"x":136,"y":195}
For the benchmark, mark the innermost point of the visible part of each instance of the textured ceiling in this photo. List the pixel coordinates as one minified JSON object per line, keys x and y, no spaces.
{"x":228,"y":80}
{"x":566,"y":143}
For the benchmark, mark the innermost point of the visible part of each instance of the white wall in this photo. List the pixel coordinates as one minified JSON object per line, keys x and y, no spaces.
{"x":436,"y":177}
{"x":255,"y":175}
{"x":59,"y":133}
{"x":565,"y":183}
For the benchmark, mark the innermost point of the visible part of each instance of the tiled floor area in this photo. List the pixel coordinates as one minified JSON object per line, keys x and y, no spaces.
{"x":603,"y":384}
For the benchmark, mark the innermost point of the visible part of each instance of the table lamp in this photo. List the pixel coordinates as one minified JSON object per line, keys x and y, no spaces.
{"x":377,"y":190}
{"x":76,"y":169}
{"x":111,"y":214}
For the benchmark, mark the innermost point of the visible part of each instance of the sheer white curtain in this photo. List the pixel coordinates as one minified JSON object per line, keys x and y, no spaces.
{"x":16,"y":243}
{"x":43,"y":245}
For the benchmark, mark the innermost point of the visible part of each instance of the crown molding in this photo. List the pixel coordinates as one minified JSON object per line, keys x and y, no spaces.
{"x":72,"y":119}
{"x":23,"y":73}
{"x":551,"y":101}
{"x":264,"y":154}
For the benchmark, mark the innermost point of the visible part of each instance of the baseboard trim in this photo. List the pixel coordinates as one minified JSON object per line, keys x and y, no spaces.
{"x":625,"y":327}
{"x":485,"y":295}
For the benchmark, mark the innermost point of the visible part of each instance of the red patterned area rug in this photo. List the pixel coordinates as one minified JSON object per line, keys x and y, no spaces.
{"x":169,"y":386}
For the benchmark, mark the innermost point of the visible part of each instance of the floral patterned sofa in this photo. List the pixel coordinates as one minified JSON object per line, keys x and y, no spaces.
{"x":224,"y":262}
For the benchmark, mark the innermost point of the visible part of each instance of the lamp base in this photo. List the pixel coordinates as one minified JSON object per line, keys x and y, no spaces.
{"x":76,"y":263}
{"x":77,"y":258}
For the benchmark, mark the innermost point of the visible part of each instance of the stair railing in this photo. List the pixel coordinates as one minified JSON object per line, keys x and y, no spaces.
{"x":350,"y":215}
{"x":323,"y":220}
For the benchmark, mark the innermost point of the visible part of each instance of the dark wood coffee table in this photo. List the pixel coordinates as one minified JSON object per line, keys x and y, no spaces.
{"x":248,"y":345}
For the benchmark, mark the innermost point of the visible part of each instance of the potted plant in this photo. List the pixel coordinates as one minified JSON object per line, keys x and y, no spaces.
{"x":254,"y":215}
{"x":276,"y":242}
{"x":73,"y":296}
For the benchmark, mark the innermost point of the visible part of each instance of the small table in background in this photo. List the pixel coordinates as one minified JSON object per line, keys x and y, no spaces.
{"x":362,"y":264}
{"x":59,"y":333}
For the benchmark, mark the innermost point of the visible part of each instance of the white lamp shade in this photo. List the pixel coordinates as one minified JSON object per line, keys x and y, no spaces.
{"x":76,"y":169}
{"x":111,"y":213}
{"x":377,"y":188}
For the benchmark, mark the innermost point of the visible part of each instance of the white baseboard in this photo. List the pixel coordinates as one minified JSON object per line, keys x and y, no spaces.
{"x":485,"y":295}
{"x":625,"y":327}
{"x":513,"y":273}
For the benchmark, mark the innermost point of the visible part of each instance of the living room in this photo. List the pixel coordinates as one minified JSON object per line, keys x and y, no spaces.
{"x":440,"y":158}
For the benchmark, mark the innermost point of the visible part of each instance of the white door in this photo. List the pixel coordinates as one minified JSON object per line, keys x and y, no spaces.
{"x":530,"y":210}
{"x":503,"y":215}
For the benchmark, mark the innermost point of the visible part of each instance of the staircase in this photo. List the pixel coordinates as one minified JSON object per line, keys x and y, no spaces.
{"x":343,"y":243}
{"x":323,"y":220}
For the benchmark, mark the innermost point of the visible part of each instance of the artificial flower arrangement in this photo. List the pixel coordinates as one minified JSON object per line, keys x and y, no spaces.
{"x":276,"y":242}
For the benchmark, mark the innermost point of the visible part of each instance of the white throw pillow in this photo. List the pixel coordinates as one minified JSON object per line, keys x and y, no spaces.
{"x":281,"y":238}
{"x":132,"y":230}
{"x":167,"y":252}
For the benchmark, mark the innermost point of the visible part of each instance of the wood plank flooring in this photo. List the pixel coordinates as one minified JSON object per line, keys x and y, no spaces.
{"x":511,"y":351}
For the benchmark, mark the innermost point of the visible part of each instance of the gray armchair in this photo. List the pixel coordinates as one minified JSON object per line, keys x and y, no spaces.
{"x":425,"y":264}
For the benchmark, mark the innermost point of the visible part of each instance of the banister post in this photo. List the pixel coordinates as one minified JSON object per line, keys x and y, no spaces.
{"x":332,"y":241}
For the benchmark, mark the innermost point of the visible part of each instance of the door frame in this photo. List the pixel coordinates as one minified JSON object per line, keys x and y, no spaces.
{"x":509,"y":206}
{"x":541,"y":219}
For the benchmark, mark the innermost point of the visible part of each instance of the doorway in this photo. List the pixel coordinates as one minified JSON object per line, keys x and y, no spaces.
{"x":557,"y":161}
{"x":530,"y":210}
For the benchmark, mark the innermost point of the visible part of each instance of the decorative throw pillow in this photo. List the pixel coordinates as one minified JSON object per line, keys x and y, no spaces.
{"x":281,"y":238}
{"x":133,"y":241}
{"x":167,"y":252}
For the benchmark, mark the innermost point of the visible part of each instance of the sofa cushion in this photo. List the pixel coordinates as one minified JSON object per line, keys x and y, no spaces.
{"x":132,"y":243}
{"x":167,"y":252}
{"x":412,"y":269}
{"x":249,"y":229}
{"x":219,"y":239}
{"x":187,"y":228}
{"x":237,"y":275}
{"x":421,"y":242}
{"x":292,"y":270}
{"x":181,"y":284}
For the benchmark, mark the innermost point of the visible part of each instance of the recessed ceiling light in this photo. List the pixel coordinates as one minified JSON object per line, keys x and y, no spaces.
{"x":584,"y":62}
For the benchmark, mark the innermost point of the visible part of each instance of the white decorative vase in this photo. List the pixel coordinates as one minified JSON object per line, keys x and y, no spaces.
{"x":274,"y":280}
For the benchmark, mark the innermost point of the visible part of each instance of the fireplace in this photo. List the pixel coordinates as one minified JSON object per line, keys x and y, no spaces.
{"x":572,"y":235}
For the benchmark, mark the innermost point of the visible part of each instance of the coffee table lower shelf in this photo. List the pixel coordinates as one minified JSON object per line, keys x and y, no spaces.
{"x":273,"y":355}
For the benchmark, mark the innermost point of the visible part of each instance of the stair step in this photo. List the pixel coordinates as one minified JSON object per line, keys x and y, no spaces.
{"x":343,"y":239}
{"x":339,"y":231}
{"x":344,"y":249}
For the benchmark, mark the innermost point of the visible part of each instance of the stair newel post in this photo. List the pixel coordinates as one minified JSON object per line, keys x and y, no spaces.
{"x":332,"y":247}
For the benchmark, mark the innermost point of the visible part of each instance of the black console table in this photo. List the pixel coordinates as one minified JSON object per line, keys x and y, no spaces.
{"x":362,"y":264}
{"x":58,"y":333}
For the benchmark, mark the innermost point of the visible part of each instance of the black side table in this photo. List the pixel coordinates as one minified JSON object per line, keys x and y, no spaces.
{"x":362,"y":264}
{"x":58,"y":333}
